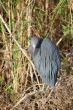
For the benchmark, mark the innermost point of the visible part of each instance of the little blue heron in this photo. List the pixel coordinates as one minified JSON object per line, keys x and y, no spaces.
{"x":46,"y":59}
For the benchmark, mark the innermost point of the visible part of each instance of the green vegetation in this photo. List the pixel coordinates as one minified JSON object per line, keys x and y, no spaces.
{"x":25,"y":18}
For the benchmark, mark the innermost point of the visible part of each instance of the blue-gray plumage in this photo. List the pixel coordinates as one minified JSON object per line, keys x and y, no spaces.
{"x":46,"y":59}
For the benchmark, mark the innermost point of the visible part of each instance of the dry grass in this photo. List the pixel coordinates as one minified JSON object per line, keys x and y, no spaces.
{"x":20,"y":86}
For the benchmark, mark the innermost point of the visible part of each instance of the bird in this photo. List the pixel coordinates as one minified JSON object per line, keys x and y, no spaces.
{"x":46,"y":58}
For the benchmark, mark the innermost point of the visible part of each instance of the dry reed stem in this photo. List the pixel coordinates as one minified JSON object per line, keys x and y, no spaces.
{"x":59,"y":41}
{"x":16,"y":42}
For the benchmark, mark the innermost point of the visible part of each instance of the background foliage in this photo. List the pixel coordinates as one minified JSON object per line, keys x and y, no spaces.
{"x":18,"y":79}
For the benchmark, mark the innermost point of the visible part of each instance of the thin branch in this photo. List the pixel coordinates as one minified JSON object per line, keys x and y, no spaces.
{"x":59,"y":41}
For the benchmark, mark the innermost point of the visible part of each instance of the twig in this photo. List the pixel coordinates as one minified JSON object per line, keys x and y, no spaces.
{"x":59,"y":41}
{"x":26,"y":96}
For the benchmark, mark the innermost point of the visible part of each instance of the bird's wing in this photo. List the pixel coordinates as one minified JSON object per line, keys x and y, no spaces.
{"x":45,"y":62}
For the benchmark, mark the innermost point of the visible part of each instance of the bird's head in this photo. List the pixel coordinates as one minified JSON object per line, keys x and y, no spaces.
{"x":34,"y":45}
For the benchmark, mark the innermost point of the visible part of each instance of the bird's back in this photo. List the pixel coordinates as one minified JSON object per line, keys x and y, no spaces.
{"x":47,"y":62}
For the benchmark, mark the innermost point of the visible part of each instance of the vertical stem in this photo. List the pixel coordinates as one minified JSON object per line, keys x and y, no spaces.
{"x":29,"y":19}
{"x":46,"y":11}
